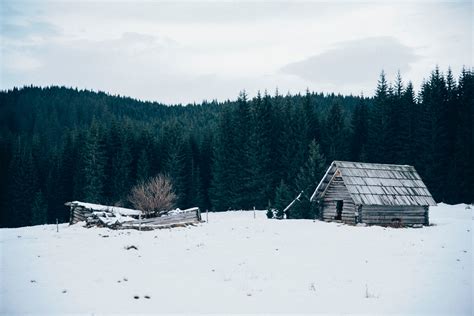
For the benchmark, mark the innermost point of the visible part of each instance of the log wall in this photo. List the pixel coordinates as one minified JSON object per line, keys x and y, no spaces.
{"x":389,"y":215}
{"x":337,"y":191}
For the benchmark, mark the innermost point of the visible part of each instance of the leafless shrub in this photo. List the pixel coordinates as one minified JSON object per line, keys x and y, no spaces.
{"x":153,"y":197}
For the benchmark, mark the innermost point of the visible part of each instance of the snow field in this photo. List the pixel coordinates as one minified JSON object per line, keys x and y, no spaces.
{"x":238,"y":264}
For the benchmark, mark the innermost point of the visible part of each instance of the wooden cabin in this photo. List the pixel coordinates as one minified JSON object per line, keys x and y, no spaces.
{"x":374,"y":194}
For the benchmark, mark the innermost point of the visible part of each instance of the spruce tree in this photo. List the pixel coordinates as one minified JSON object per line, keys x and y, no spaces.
{"x":411,"y":148}
{"x":283,"y":197}
{"x":336,"y":134}
{"x":464,"y":147}
{"x":91,"y":169}
{"x":377,"y":122}
{"x":359,"y":124}
{"x":22,"y":185}
{"x":398,"y":125}
{"x":225,"y":167}
{"x":143,"y":167}
{"x":241,"y":162}
{"x":119,"y":161}
{"x":259,"y":155}
{"x":39,"y":209}
{"x":205,"y":171}
{"x":307,"y":179}
{"x":434,"y":97}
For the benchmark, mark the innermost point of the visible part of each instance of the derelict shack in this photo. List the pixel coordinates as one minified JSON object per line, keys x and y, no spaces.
{"x":124,"y":218}
{"x":375,"y":194}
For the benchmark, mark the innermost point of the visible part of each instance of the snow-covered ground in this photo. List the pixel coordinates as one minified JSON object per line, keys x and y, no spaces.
{"x":238,"y":264}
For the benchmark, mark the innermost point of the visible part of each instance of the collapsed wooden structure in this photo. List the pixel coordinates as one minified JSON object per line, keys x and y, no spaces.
{"x":124,"y":218}
{"x":375,"y":194}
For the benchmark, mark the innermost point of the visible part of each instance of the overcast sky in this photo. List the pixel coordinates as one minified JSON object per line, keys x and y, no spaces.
{"x":180,"y":52}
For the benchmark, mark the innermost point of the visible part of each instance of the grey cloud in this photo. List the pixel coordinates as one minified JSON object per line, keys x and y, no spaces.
{"x":190,"y":12}
{"x":127,"y":64}
{"x":355,"y":61}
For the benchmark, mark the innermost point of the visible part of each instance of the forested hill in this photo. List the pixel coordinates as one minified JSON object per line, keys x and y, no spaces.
{"x":59,"y":144}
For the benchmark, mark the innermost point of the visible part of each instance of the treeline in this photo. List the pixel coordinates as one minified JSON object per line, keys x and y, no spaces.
{"x":59,"y":144}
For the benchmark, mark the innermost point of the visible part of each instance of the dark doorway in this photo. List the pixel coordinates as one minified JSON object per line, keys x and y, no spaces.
{"x":339,"y":207}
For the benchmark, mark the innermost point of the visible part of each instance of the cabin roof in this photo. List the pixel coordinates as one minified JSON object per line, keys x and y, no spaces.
{"x":378,"y":184}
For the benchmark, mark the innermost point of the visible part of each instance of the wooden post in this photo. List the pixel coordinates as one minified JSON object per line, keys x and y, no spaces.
{"x":207,"y":216}
{"x":254,"y":212}
{"x":57,"y":226}
{"x":140,"y":221}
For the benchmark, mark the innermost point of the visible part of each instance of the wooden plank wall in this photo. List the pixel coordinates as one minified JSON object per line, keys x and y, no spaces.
{"x":335,"y":192}
{"x":184,"y":218}
{"x":79,"y":214}
{"x":387,"y":215}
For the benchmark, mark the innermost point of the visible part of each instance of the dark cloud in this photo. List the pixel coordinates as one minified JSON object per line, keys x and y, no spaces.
{"x":355,"y":61}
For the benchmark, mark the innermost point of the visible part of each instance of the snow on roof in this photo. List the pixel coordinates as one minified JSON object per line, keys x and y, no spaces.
{"x":378,"y":184}
{"x":113,"y":209}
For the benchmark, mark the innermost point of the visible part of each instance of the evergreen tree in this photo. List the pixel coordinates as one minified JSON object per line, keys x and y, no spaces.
{"x":243,"y":195}
{"x":434,"y":97}
{"x":398,"y":125}
{"x":307,"y":180}
{"x":411,"y":149}
{"x":359,"y":124}
{"x":39,"y":209}
{"x":259,"y":155}
{"x":378,"y":122}
{"x":175,"y":167}
{"x":205,"y":162}
{"x":91,"y":168}
{"x":336,"y":134}
{"x":311,"y":123}
{"x":283,"y":197}
{"x":5,"y":157}
{"x":225,"y":167}
{"x":22,"y":185}
{"x":143,"y":167}
{"x":462,"y":167}
{"x":292,"y":157}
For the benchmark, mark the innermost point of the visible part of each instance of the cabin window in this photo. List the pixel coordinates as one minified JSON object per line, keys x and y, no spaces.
{"x":339,"y":207}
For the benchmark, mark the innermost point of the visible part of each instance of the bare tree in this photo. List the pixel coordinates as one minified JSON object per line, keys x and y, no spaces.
{"x":153,"y":197}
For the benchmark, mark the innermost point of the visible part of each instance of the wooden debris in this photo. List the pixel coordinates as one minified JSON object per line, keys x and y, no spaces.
{"x":122,"y":218}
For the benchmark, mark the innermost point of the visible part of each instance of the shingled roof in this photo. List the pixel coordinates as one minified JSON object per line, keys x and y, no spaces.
{"x":378,"y":184}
